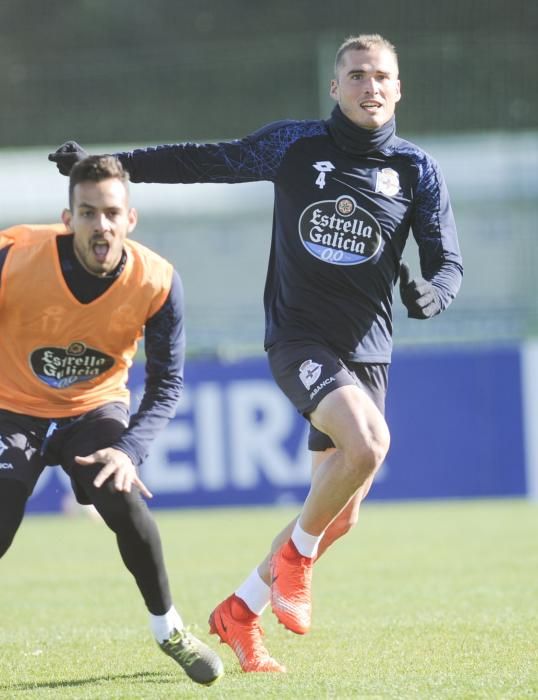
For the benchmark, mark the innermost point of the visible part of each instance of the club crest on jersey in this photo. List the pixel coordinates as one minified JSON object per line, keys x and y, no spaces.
{"x":309,"y":372}
{"x":387,"y":182}
{"x":339,"y":232}
{"x":59,"y":368}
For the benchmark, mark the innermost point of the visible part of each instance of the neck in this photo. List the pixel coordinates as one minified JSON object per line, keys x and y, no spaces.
{"x":356,"y":139}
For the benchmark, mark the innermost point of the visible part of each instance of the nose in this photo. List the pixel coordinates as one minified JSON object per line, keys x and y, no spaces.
{"x":101,"y":223}
{"x":370,"y":85}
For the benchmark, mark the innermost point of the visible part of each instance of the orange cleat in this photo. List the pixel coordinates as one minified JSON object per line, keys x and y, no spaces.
{"x":238,"y":627}
{"x":291,"y":585}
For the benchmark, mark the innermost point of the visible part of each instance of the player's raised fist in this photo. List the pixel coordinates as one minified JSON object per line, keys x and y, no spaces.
{"x":418,"y":295}
{"x":67,"y":155}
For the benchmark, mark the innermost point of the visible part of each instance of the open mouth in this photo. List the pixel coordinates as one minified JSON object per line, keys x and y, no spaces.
{"x":371,"y":105}
{"x":100,"y":250}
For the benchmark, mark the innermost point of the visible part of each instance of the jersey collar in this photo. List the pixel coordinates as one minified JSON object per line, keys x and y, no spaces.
{"x":356,"y":140}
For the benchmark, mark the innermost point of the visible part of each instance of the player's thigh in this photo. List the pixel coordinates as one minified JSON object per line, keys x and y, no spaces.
{"x":319,"y":456}
{"x":20,"y":443}
{"x":351,"y":419}
{"x":94,"y":431}
{"x":308,"y":372}
{"x":371,"y":378}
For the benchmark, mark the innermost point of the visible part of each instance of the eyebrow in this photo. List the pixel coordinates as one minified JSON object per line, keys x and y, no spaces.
{"x":360,"y":71}
{"x":85,"y":205}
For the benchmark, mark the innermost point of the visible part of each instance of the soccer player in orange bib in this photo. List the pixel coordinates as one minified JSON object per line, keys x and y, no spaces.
{"x":75,"y":299}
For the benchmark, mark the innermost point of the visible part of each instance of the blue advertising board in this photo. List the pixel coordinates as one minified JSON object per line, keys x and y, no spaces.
{"x":455,"y":418}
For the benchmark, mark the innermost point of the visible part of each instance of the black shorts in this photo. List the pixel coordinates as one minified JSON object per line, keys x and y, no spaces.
{"x":306,"y":372}
{"x":29,"y":444}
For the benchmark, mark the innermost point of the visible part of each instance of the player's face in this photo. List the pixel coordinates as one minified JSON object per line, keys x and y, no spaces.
{"x":367,"y":86}
{"x":100,"y":219}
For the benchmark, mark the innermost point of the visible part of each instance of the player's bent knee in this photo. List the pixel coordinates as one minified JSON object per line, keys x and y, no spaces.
{"x":381,"y":443}
{"x":120,"y":509}
{"x":366,"y":454}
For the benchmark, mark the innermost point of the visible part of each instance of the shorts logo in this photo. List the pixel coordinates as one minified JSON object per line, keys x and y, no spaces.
{"x":387,"y":182}
{"x":321,"y":386}
{"x":62,"y":367}
{"x":3,"y":446}
{"x":309,"y":372}
{"x":339,"y":232}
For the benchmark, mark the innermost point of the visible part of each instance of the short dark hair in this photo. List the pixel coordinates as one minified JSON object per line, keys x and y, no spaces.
{"x":96,"y":169}
{"x":363,"y":42}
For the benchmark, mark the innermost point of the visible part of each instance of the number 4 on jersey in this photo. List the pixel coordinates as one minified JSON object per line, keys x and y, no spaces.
{"x":322,"y":166}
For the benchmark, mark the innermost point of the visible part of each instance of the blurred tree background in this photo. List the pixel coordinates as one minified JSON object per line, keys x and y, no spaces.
{"x":121,"y":73}
{"x":170,"y":70}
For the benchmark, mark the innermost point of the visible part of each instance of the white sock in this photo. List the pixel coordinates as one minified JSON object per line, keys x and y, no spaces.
{"x":306,"y":544}
{"x":162,"y":626}
{"x":254,"y":592}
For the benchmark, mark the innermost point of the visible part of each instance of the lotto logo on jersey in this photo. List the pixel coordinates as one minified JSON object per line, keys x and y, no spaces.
{"x":322,"y":166}
{"x":62,"y":367}
{"x":339,"y":232}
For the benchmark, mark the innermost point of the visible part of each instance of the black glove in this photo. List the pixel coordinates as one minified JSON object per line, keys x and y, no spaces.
{"x":419,"y":296}
{"x":67,"y":155}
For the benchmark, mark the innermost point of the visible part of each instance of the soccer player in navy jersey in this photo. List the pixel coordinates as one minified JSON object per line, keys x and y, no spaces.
{"x":348,"y":191}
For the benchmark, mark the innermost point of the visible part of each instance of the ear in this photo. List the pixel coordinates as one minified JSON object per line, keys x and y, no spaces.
{"x":132,"y":218}
{"x":66,"y":218}
{"x":333,"y":91}
{"x":399,"y":91}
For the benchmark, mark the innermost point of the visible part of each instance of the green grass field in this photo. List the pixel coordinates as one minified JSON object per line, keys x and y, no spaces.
{"x":433,"y":600}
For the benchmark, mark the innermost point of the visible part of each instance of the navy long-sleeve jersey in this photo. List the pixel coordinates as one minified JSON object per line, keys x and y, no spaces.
{"x":341,"y":221}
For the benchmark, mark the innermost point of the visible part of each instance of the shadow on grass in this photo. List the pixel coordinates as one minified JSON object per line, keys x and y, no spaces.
{"x":152,"y":677}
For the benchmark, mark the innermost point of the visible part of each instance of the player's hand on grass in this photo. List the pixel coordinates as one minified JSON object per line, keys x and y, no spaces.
{"x":118,"y":464}
{"x":67,"y":156}
{"x":419,"y":296}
